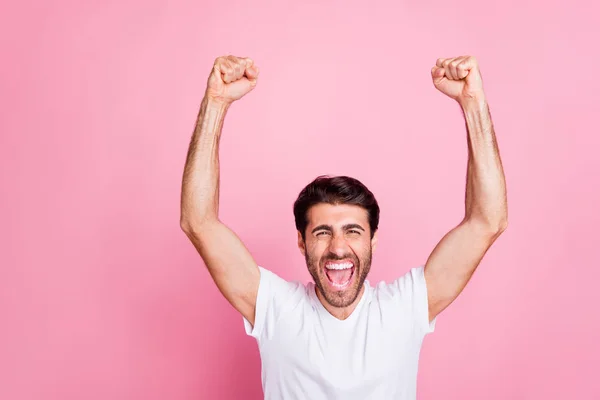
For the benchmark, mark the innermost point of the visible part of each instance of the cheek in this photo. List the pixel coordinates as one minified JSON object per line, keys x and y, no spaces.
{"x":315,"y":250}
{"x":361,"y":249}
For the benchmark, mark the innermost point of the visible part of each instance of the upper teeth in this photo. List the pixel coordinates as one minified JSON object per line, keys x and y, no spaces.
{"x":339,"y":266}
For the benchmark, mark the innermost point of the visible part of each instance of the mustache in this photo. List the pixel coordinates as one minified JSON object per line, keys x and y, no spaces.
{"x":334,"y":257}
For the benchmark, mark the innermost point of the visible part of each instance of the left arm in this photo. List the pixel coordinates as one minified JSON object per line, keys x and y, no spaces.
{"x":455,"y":258}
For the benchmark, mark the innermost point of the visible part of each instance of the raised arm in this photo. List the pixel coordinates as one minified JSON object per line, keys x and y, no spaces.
{"x":228,"y":261}
{"x":457,"y":255}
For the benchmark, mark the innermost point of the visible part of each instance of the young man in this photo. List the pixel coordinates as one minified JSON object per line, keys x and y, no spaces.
{"x":340,"y":337}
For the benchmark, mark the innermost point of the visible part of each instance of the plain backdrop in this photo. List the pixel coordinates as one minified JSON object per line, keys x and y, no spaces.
{"x":103,"y":297}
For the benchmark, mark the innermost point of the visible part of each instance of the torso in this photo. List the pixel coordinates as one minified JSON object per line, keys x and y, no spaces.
{"x":373,"y":354}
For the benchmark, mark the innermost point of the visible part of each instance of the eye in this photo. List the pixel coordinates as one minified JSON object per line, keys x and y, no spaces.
{"x":354,"y":231}
{"x":322,"y":233}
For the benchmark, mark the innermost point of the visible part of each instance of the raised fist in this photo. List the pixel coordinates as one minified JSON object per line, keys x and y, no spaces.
{"x":231,"y":78}
{"x":458,"y":78}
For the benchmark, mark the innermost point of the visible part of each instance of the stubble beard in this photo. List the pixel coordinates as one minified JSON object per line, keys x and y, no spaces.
{"x":342,"y":298}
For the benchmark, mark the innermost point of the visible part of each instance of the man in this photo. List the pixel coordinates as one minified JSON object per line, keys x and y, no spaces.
{"x":340,"y":337}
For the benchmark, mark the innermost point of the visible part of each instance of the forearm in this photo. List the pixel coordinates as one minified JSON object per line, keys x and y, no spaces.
{"x":200,"y":187}
{"x":485,"y":200}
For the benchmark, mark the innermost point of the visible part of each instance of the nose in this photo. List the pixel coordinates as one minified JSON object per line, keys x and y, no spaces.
{"x":338,"y":246}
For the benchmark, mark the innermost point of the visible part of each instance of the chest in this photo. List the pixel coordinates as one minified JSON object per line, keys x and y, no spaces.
{"x":365,"y":353}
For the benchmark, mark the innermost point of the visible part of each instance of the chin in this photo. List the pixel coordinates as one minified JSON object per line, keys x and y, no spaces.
{"x":340,"y":297}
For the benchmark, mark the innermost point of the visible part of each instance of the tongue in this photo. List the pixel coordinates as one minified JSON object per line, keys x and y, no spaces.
{"x":339,"y":275}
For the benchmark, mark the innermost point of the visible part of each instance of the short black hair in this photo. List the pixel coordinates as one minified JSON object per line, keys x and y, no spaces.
{"x":335,"y":190}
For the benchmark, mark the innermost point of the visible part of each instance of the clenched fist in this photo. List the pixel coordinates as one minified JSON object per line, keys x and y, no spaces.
{"x":231,"y":78}
{"x":458,"y":78}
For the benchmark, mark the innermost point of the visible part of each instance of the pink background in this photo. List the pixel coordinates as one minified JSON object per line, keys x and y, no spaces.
{"x":103,"y":297}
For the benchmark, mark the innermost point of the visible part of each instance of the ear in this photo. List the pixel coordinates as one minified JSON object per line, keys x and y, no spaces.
{"x":301,"y":245}
{"x":374,"y":242}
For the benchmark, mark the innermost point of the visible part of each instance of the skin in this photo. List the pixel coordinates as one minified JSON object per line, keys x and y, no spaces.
{"x":457,"y":255}
{"x":338,"y":232}
{"x":449,"y":266}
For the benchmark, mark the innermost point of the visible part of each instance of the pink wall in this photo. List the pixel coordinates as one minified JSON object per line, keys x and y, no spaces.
{"x":103,"y":297}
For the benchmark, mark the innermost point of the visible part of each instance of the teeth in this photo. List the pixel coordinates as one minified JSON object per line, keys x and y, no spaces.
{"x":339,"y":266}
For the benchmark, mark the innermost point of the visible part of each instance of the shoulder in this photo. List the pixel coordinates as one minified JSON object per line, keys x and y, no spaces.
{"x":278,"y":283}
{"x":280,"y":291}
{"x":407,"y":295}
{"x":276,"y":298}
{"x":403,"y":286}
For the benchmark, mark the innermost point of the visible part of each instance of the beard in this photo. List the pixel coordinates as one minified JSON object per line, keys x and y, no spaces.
{"x":339,"y":298}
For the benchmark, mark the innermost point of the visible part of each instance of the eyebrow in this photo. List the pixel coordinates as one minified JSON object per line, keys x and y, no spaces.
{"x":330,"y":228}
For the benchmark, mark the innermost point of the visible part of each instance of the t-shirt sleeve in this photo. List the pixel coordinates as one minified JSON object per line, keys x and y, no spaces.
{"x":411,"y":291}
{"x":276,"y":296}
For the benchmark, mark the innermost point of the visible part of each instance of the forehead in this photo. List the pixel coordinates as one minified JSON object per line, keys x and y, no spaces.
{"x":334,"y":214}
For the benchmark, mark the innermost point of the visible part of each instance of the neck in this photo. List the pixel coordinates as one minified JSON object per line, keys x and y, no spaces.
{"x":340,"y":313}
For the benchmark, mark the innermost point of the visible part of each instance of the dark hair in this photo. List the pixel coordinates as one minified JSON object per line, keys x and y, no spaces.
{"x":335,"y":190}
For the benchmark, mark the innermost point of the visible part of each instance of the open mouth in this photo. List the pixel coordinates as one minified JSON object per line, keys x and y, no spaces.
{"x":339,"y":274}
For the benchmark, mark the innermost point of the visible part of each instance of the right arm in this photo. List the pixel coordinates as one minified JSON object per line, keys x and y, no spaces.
{"x":229,"y":263}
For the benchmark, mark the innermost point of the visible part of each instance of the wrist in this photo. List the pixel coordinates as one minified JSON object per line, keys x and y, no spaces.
{"x":211,"y":115}
{"x":473,"y":103}
{"x":215,"y":104}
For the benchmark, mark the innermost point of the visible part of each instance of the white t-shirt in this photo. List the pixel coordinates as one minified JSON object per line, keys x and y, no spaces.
{"x":307,"y":353}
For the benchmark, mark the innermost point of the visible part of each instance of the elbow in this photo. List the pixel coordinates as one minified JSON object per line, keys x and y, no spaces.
{"x":503,"y":225}
{"x":490,"y":219}
{"x":190,"y":228}
{"x":489,"y":226}
{"x":185,"y":223}
{"x":185,"y":226}
{"x":193,"y":226}
{"x":498,"y":228}
{"x":191,"y":219}
{"x":500,"y":223}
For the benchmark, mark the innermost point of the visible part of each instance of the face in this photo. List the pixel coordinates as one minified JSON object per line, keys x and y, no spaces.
{"x":338,"y":249}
